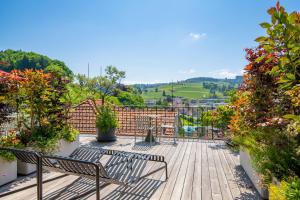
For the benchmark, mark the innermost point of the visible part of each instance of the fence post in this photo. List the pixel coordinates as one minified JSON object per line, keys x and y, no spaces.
{"x":156,"y":121}
{"x":212,"y":126}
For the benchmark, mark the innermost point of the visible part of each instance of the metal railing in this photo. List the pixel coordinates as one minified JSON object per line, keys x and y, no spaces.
{"x":187,"y":122}
{"x":190,"y":122}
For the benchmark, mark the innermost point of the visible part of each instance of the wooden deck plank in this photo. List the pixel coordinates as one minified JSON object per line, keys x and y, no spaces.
{"x":168,"y":189}
{"x":224,"y":186}
{"x":196,"y":192}
{"x":234,"y":188}
{"x":205,"y":182}
{"x":189,"y":177}
{"x":171,"y":160}
{"x":215,"y":185}
{"x":179,"y":184}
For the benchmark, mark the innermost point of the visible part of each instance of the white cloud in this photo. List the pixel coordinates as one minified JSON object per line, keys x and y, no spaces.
{"x":223,"y":73}
{"x":197,"y":36}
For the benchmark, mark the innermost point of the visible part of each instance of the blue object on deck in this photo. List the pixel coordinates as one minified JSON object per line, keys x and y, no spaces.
{"x":189,"y":129}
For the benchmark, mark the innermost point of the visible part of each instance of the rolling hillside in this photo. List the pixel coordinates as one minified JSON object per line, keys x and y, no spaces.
{"x":195,"y":88}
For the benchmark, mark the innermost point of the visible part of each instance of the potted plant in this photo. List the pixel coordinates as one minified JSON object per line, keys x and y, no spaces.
{"x":43,"y":113}
{"x":8,"y":162}
{"x":69,"y":141}
{"x":103,"y":87}
{"x":106,"y":124}
{"x":40,"y":139}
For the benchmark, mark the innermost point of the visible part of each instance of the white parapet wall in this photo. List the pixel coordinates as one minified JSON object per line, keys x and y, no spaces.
{"x":245,"y":161}
{"x":8,"y":171}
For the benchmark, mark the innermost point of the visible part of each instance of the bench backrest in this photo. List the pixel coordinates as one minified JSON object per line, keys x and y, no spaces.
{"x":26,"y":156}
{"x":75,"y":166}
{"x":68,"y":165}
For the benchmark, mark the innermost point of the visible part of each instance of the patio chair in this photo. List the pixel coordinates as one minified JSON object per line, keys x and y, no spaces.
{"x":122,"y":168}
{"x":165,"y":125}
{"x":144,"y":124}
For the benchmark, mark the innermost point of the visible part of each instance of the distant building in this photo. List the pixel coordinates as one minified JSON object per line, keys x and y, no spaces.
{"x":177,"y":102}
{"x":150,"y":102}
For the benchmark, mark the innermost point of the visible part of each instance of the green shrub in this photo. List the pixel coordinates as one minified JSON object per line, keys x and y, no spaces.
{"x":263,"y":144}
{"x":42,"y":139}
{"x":286,"y":190}
{"x":106,"y":118}
{"x":69,"y":133}
{"x":293,"y":189}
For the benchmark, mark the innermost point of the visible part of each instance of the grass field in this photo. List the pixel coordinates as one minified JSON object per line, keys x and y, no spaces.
{"x":186,"y":90}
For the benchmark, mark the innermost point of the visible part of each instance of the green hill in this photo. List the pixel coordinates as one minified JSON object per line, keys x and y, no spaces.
{"x":195,"y":88}
{"x":11,"y":59}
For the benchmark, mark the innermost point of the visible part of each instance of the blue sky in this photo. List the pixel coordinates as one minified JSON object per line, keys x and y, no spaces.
{"x":152,"y":40}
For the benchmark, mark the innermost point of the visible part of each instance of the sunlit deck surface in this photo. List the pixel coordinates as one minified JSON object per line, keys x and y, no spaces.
{"x":198,"y":169}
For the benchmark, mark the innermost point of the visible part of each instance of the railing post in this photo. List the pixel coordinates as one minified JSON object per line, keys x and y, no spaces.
{"x":212,"y":126}
{"x":130,"y":119}
{"x":156,"y":122}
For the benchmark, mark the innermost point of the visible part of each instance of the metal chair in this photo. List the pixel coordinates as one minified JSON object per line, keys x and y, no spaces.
{"x":169,"y":125}
{"x":144,"y":124}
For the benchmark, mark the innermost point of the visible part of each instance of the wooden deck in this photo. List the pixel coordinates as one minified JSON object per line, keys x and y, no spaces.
{"x":197,"y":170}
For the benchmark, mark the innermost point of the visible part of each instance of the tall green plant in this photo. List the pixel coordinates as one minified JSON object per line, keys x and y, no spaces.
{"x":268,"y":103}
{"x":106,"y":119}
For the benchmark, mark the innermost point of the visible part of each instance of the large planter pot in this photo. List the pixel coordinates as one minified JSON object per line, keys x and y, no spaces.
{"x":8,"y":171}
{"x":245,"y":161}
{"x":25,"y":168}
{"x":65,"y":148}
{"x":107,"y":136}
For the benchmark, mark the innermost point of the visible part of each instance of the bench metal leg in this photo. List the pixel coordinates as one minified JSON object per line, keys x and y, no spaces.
{"x":39,"y":178}
{"x":166,"y":169}
{"x":97,"y":184}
